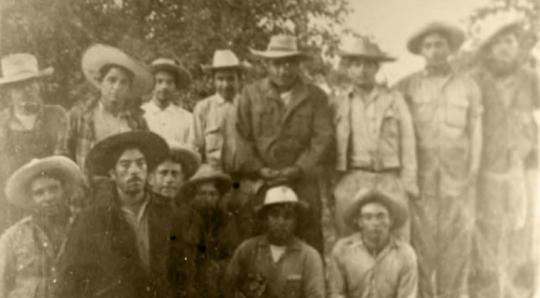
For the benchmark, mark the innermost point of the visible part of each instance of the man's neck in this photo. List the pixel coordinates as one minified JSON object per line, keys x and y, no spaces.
{"x":439,"y":70}
{"x":113,"y":110}
{"x":137,"y":199}
{"x":161,"y":104}
{"x":375,"y":247}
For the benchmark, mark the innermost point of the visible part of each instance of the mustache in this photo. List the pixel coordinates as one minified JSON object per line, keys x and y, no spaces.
{"x":135,"y":179}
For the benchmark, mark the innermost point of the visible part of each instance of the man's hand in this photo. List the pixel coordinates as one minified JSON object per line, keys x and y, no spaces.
{"x":268,"y":174}
{"x":254,"y":286}
{"x":290,"y":173}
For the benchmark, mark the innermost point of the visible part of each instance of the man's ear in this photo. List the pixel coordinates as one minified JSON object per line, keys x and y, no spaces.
{"x":112,"y":175}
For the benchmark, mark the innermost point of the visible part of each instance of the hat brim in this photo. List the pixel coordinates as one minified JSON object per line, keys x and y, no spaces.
{"x":398,"y":211}
{"x":455,"y":36}
{"x":488,"y":38}
{"x":301,"y":206}
{"x":98,"y":56}
{"x":223,"y":183}
{"x":210,"y":68}
{"x":189,"y":159}
{"x":183,"y":77}
{"x":379,"y":58}
{"x":18,"y":185}
{"x":24,"y":77}
{"x":279,"y":54}
{"x":100,"y":159}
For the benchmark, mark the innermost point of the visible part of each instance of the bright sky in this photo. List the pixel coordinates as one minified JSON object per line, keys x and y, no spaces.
{"x":391,"y":22}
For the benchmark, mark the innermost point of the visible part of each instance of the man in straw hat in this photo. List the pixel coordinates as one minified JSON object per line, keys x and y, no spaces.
{"x":213,"y":228}
{"x":374,"y":133}
{"x":120,"y":81}
{"x":132,"y":246}
{"x":168,"y":120}
{"x":502,"y":264}
{"x":171,"y":174}
{"x":276,"y":263}
{"x":284,"y":129}
{"x":446,"y":111}
{"x":371,"y":262}
{"x":30,"y":249}
{"x":28,"y":128}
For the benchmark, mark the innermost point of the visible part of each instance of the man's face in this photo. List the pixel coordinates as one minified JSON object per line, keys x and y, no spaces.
{"x":48,"y":194}
{"x":374,"y":222}
{"x":435,"y":49}
{"x":167,"y":179}
{"x":284,"y":71}
{"x":26,"y":95}
{"x":115,"y":88}
{"x":206,"y":196}
{"x":130,"y":172}
{"x":226,"y":82}
{"x":504,"y":48}
{"x":280,"y":223}
{"x":165,"y":86}
{"x":362,"y":71}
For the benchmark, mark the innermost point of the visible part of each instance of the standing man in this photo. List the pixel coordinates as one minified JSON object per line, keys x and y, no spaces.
{"x":277,"y":263}
{"x":284,"y":130}
{"x":215,"y":115}
{"x":28,"y":128}
{"x":127,"y":247}
{"x":168,"y":120}
{"x":30,"y":249}
{"x":372,"y":262}
{"x":374,"y":134}
{"x":446,"y":111}
{"x":503,"y":264}
{"x":120,"y":80}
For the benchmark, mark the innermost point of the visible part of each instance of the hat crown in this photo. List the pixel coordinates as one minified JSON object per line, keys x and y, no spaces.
{"x":225,"y":58}
{"x":280,"y":194}
{"x":362,"y":47}
{"x":286,"y":43}
{"x":166,"y":61}
{"x":19,"y":64}
{"x":205,"y":172}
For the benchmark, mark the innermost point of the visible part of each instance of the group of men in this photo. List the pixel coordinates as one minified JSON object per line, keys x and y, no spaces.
{"x":430,"y":179}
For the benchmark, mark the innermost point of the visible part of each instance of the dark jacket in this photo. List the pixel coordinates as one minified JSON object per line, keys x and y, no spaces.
{"x":101,"y":258}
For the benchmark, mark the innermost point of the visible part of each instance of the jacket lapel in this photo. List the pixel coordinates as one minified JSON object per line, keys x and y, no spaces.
{"x":299,"y":93}
{"x":159,"y":233}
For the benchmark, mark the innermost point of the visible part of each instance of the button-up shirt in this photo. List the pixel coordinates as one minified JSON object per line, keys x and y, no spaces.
{"x":298,"y":272}
{"x":27,"y":261}
{"x":107,"y":124}
{"x":214,"y":130}
{"x":354,"y":272}
{"x":172,"y":123}
{"x":139,"y":224}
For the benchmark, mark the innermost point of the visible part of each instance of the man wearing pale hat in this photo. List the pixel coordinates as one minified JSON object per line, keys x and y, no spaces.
{"x":284,"y":130}
{"x":133,"y":244}
{"x":28,"y":128}
{"x":168,"y":120}
{"x":121,"y":81}
{"x":502,"y":262}
{"x":30,"y":249}
{"x":375,"y":142}
{"x":277,"y":263}
{"x":371,"y":262}
{"x":446,"y":110}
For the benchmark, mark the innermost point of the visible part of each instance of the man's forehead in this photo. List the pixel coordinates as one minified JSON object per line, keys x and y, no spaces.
{"x":131,"y":154}
{"x":164,"y":74}
{"x":44,"y":178}
{"x":374,"y":207}
{"x":434,"y":36}
{"x":170,"y":164}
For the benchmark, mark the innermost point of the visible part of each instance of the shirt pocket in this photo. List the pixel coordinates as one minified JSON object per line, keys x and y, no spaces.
{"x":456,"y":113}
{"x":293,"y":286}
{"x":422,"y":110}
{"x":27,"y":261}
{"x":390,"y":124}
{"x":213,"y":138}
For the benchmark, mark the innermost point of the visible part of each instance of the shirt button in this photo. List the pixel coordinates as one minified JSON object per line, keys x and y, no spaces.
{"x":148,"y":288}
{"x":45,"y":244}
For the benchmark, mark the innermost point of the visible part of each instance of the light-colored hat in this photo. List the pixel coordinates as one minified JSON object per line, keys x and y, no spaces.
{"x":207,"y":173}
{"x":454,"y":35}
{"x":190,"y":159}
{"x":100,"y":159}
{"x":496,"y":26}
{"x":183,"y":78}
{"x":280,"y":195}
{"x":21,"y":67}
{"x":398,"y":211}
{"x":98,"y":56}
{"x":280,"y":46}
{"x":18,"y":185}
{"x":364,"y":48}
{"x":224,"y":59}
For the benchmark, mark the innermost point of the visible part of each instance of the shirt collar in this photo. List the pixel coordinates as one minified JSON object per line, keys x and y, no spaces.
{"x":295,"y":244}
{"x":142,"y":211}
{"x":358,"y":241}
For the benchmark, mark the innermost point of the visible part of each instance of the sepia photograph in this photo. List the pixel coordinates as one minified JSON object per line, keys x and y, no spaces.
{"x":269,"y":149}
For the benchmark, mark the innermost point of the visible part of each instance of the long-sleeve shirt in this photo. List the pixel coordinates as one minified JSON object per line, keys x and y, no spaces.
{"x":172,"y":123}
{"x":354,"y":272}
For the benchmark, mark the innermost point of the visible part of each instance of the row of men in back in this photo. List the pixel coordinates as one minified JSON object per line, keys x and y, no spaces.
{"x":455,"y":149}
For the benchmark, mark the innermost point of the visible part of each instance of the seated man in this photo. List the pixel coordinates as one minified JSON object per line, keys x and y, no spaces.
{"x":29,"y":250}
{"x":372,"y":262}
{"x":277,"y":263}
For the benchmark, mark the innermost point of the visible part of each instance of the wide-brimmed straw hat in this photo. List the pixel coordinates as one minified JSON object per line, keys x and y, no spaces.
{"x":183,"y":78}
{"x":224,"y":59}
{"x":280,"y":46}
{"x":17,"y":188}
{"x":398,"y":211}
{"x":207,"y":173}
{"x":98,"y":56}
{"x":453,"y":34}
{"x":101,"y":157}
{"x":21,"y":67}
{"x":280,"y":195}
{"x":496,"y":26}
{"x":364,"y":48}
{"x":190,"y":159}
